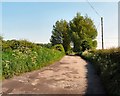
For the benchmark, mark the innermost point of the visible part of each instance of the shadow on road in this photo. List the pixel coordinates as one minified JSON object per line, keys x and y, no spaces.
{"x":94,"y":84}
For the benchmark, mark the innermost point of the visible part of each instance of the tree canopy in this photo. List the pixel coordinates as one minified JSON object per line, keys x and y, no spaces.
{"x":60,"y":34}
{"x":80,"y":30}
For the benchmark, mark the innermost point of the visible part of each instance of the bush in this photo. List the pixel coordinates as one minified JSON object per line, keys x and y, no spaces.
{"x":23,"y":56}
{"x":107,"y":64}
{"x":59,"y":47}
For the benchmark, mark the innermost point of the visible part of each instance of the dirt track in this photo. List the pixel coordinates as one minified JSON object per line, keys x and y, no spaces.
{"x":71,"y":75}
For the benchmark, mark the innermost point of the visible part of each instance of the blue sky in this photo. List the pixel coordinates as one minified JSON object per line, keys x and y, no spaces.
{"x":34,"y":20}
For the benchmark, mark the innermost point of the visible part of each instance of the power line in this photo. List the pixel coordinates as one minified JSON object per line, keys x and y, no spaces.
{"x":101,"y":22}
{"x":98,"y":25}
{"x":93,"y":8}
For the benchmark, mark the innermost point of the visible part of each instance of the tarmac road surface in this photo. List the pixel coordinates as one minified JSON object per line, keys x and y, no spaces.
{"x":71,"y":75}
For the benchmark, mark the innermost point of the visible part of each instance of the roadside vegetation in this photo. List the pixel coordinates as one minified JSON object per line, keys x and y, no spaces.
{"x":107,"y":65}
{"x":20,"y":56}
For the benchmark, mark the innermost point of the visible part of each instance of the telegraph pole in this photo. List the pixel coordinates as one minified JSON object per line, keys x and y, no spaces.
{"x":101,"y":22}
{"x":102,"y":32}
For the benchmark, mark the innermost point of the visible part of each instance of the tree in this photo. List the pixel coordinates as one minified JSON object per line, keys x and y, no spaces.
{"x":80,"y":30}
{"x":60,"y":34}
{"x":48,"y":45}
{"x":1,"y":38}
{"x":83,"y":33}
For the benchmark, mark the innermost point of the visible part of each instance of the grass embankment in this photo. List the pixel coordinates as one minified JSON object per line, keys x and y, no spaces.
{"x":23,"y":56}
{"x":107,"y":64}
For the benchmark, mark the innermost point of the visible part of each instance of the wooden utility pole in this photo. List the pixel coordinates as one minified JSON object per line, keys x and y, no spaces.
{"x":102,"y":32}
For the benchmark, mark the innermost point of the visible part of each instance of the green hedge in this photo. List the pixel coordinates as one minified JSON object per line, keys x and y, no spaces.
{"x":59,"y":47}
{"x":107,"y":64}
{"x":23,"y":56}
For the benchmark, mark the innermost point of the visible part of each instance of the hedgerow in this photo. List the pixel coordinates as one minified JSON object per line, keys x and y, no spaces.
{"x":20,"y":56}
{"x":107,"y":65}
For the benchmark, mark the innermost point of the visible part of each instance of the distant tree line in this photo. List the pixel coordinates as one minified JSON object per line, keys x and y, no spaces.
{"x":47,"y":45}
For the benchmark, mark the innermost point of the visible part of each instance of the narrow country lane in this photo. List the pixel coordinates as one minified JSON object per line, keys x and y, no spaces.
{"x":71,"y":75}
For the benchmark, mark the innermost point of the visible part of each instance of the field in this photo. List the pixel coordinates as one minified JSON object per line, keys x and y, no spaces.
{"x":107,"y":65}
{"x":23,"y":56}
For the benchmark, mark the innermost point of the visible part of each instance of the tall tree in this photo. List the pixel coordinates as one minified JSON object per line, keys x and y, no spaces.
{"x":83,"y":33}
{"x":60,"y":34}
{"x":80,"y":30}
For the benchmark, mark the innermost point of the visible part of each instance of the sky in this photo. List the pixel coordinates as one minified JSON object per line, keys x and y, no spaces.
{"x":34,"y":20}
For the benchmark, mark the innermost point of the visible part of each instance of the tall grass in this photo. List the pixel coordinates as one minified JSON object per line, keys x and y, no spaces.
{"x":107,"y":64}
{"x":22,"y":57}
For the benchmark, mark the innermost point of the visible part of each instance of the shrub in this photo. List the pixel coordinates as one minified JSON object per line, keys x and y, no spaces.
{"x":23,"y":56}
{"x":107,"y":64}
{"x":59,"y":47}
